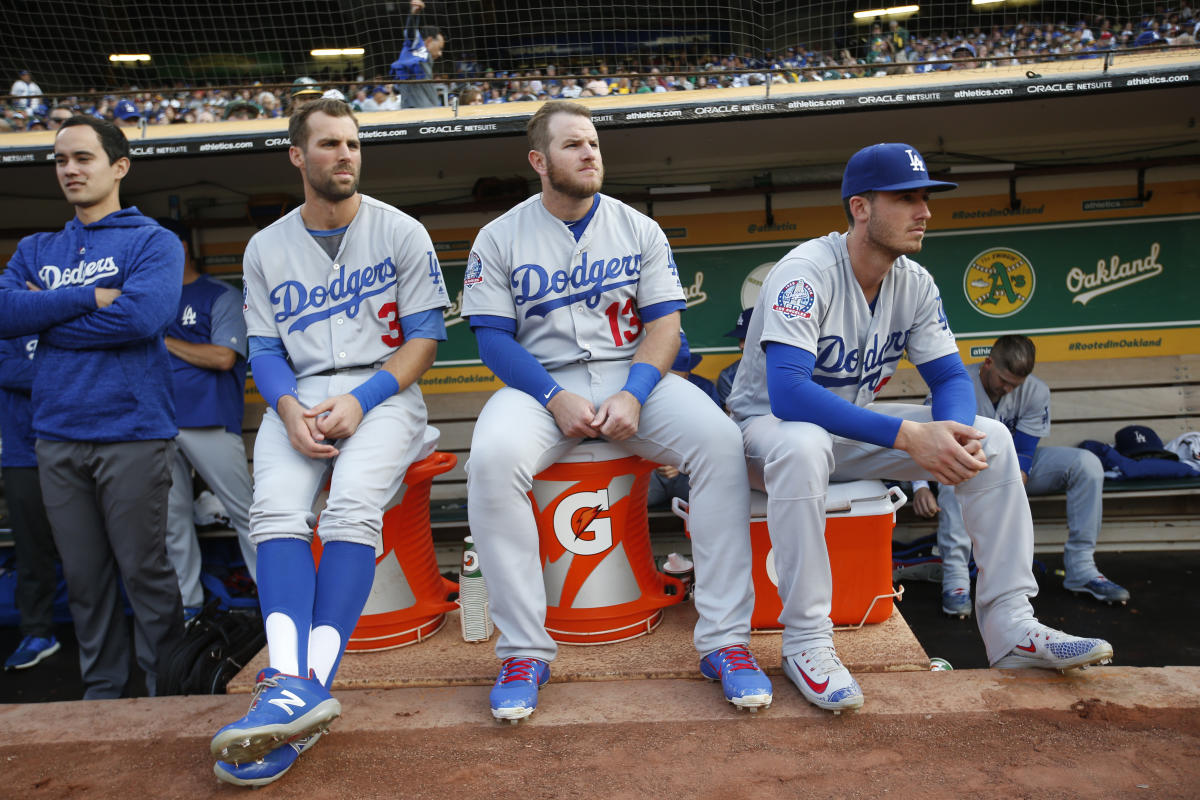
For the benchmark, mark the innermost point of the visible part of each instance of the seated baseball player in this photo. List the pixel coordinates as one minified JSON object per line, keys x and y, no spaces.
{"x":1006,"y":391}
{"x":575,"y":300}
{"x":343,"y":306}
{"x":833,"y":318}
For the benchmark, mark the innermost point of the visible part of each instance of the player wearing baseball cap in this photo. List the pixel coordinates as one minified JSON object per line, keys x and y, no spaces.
{"x":343,"y":306}
{"x":834,"y":317}
{"x":575,"y":300}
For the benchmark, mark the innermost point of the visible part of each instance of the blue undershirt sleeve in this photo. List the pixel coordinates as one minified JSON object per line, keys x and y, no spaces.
{"x":1025,"y":445}
{"x":657,"y":310}
{"x":428,"y":324}
{"x":272,"y":374}
{"x":951,"y":388}
{"x":794,"y":396}
{"x":512,"y":363}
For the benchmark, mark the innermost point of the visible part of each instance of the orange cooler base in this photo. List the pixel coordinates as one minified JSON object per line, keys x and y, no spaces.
{"x":860,"y":559}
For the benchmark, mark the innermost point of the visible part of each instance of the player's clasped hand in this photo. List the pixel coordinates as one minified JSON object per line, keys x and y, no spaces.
{"x":573,"y":414}
{"x":950,"y":451}
{"x":618,"y":417}
{"x":303,"y":434}
{"x":337,"y":417}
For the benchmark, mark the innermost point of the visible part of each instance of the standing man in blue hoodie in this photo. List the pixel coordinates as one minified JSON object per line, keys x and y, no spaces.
{"x":423,"y":44}
{"x":99,"y":294}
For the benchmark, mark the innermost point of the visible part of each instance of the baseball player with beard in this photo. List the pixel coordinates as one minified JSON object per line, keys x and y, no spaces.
{"x":834,"y":317}
{"x":343,"y":307}
{"x":575,"y":300}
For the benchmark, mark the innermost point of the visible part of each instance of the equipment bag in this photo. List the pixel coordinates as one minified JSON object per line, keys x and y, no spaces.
{"x":215,"y":646}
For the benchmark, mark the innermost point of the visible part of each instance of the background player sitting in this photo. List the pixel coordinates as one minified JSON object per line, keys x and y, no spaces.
{"x":1006,"y":390}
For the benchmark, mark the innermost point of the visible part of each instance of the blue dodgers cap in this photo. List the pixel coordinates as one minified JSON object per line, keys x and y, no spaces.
{"x":743,"y":324}
{"x":1139,"y":441}
{"x":888,"y":167}
{"x":125,"y":109}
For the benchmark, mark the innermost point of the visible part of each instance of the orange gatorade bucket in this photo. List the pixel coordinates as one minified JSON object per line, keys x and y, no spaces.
{"x":859,"y":519}
{"x":602,"y":584}
{"x":408,"y":597}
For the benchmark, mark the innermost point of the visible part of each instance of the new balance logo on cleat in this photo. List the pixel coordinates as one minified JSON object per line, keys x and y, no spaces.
{"x":287,"y":701}
{"x":294,"y":708}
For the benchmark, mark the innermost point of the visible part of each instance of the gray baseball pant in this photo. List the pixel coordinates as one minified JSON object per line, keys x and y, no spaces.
{"x":1054,"y":469}
{"x":793,"y":462}
{"x":515,"y":438}
{"x":219,"y":458}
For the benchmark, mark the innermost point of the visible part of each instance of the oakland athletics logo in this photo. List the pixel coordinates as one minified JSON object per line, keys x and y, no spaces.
{"x":999,"y":282}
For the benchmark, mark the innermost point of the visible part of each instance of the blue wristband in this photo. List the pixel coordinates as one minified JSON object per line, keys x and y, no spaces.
{"x":642,"y":379}
{"x":375,"y":389}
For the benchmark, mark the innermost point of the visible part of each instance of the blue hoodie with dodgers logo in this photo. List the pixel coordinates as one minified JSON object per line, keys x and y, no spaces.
{"x":102,"y":374}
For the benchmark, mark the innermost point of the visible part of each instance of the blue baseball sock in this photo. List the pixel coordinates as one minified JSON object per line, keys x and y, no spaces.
{"x":343,"y":583}
{"x":287,"y":580}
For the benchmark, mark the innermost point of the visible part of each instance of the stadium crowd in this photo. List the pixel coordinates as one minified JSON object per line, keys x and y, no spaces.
{"x":888,"y":49}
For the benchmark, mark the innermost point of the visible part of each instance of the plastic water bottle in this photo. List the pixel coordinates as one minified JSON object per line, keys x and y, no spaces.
{"x":473,"y":597}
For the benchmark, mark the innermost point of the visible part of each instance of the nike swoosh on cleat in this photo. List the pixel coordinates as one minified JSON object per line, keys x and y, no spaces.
{"x":819,"y":688}
{"x":1031,"y":649}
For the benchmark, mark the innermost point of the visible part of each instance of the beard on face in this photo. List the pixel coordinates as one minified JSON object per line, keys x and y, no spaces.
{"x":896,"y":243}
{"x":327,"y":186}
{"x":573,"y":185}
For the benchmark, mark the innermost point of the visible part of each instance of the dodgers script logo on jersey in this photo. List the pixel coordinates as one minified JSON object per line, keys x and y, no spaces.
{"x":593,"y":278}
{"x":85,"y":274}
{"x":840,"y":365}
{"x":347,"y":292}
{"x":795,"y":300}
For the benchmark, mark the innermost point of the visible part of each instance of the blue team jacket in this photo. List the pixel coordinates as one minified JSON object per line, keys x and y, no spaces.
{"x":102,"y":374}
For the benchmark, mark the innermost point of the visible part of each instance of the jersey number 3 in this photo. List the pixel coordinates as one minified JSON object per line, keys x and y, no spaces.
{"x":632,"y":322}
{"x":394,"y":336}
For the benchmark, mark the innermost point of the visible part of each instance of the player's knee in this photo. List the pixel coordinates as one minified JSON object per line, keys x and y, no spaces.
{"x":999,"y":441}
{"x":1088,"y":466}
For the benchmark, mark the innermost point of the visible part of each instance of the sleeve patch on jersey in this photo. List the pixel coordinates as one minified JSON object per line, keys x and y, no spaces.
{"x":474,"y":272}
{"x":795,"y":300}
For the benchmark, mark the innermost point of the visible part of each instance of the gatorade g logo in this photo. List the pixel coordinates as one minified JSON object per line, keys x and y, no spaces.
{"x":470,"y":561}
{"x":579,"y":526}
{"x":999,"y":282}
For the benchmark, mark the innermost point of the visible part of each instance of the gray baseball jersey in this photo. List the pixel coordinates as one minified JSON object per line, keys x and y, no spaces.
{"x":345,"y":313}
{"x":1025,"y":409}
{"x":527,"y":266}
{"x":575,"y":305}
{"x":811,"y":300}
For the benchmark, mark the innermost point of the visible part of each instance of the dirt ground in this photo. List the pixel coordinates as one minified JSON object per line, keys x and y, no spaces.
{"x":1095,"y":749}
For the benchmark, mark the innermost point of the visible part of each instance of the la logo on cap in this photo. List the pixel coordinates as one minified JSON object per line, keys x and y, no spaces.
{"x":914,"y":160}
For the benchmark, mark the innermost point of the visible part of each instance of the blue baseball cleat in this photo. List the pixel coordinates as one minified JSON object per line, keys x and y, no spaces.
{"x":267,"y":769}
{"x":957,"y":603}
{"x":744,"y":684}
{"x":1103,"y":590}
{"x":515,"y":693}
{"x":284,"y":708}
